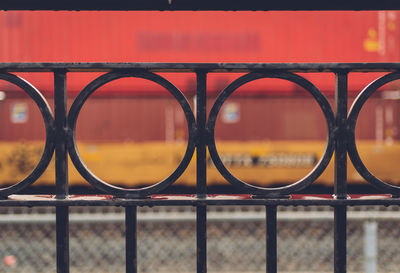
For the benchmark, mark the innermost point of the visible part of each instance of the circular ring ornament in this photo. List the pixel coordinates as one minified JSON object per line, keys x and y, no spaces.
{"x":50,"y":136}
{"x":352,"y":122}
{"x":92,"y":178}
{"x":285,"y":190}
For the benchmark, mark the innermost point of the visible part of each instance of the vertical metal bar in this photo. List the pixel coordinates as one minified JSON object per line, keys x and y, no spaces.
{"x":340,"y":243}
{"x":201,"y":165}
{"x":60,"y":109}
{"x":62,"y":237}
{"x":340,"y":188}
{"x":62,"y":213}
{"x":341,"y":136}
{"x":271,"y":216}
{"x":201,"y":139}
{"x":201,"y":222}
{"x":131,"y":239}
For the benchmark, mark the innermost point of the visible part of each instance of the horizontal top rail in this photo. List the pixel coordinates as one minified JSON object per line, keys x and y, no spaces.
{"x":198,"y":5}
{"x":192,"y":67}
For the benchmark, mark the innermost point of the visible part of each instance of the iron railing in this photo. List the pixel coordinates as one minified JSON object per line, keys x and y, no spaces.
{"x":60,"y":137}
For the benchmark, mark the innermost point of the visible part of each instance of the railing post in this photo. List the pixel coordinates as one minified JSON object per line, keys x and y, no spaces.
{"x":340,"y":187}
{"x":271,"y":239}
{"x":201,"y":172}
{"x":131,"y":239}
{"x":201,"y":137}
{"x":61,"y":165}
{"x":341,"y":136}
{"x":60,"y":109}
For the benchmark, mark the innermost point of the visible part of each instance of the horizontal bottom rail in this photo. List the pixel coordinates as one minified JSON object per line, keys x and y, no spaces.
{"x":193,"y":200}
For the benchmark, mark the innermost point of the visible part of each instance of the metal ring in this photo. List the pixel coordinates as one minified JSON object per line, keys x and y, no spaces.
{"x":280,"y":191}
{"x":84,"y":170}
{"x":352,"y":121}
{"x":49,"y":125}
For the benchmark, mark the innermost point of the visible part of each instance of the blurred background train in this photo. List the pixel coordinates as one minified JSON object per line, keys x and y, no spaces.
{"x":133,"y":133}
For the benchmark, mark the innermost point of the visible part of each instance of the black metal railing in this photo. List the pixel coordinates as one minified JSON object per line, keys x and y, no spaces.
{"x":60,"y":137}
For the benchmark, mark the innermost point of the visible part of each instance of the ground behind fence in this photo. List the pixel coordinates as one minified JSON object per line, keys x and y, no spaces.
{"x":167,"y":239}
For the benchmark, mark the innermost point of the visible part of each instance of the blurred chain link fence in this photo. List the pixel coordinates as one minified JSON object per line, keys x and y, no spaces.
{"x":167,"y":239}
